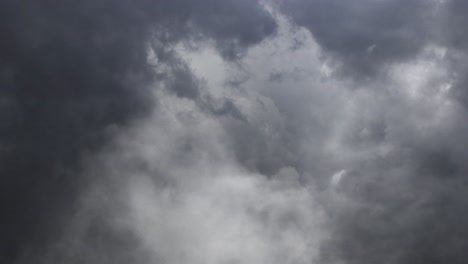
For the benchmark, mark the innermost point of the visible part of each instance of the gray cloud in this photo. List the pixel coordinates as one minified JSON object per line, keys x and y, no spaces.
{"x":405,"y":148}
{"x":233,"y":132}
{"x":367,"y":34}
{"x":74,"y":73}
{"x":394,"y":141}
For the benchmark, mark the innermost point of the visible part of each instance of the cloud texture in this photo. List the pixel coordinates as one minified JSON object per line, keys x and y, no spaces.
{"x":175,"y":132}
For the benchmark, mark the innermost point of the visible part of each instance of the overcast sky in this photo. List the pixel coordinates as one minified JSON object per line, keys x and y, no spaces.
{"x":233,"y":131}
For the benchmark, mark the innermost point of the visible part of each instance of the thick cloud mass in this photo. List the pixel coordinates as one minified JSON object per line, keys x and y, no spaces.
{"x":367,"y":33}
{"x":233,"y":131}
{"x":72,"y":72}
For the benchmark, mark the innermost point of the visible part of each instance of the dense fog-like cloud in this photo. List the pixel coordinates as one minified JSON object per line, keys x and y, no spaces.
{"x":73,"y":73}
{"x":404,"y":131}
{"x":186,"y":131}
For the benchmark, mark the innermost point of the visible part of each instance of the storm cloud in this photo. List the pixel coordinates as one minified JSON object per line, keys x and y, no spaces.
{"x":73,"y":73}
{"x":185,"y":131}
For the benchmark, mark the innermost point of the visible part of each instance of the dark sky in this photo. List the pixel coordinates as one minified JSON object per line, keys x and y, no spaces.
{"x":233,"y":131}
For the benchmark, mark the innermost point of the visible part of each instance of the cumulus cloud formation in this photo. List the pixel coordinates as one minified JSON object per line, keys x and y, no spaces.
{"x":172,"y":132}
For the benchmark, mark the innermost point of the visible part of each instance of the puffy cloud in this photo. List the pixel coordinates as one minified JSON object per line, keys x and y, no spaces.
{"x":72,"y":74}
{"x":234,"y":132}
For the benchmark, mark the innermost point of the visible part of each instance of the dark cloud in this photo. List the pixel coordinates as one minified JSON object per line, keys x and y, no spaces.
{"x":366,"y":34}
{"x":74,"y":72}
{"x":114,"y":149}
{"x":407,"y":206}
{"x":399,"y":139}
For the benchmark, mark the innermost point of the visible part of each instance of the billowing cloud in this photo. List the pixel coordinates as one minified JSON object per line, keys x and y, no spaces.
{"x":233,"y":131}
{"x":367,"y":34}
{"x":73,"y":73}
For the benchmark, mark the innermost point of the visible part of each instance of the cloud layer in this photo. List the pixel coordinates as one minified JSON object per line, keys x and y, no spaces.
{"x":233,"y":132}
